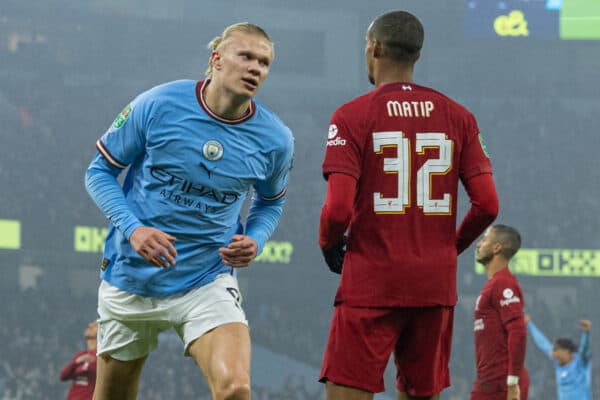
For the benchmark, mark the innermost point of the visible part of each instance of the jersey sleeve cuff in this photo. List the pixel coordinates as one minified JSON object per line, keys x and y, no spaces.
{"x":129,"y":228}
{"x":260,"y":239}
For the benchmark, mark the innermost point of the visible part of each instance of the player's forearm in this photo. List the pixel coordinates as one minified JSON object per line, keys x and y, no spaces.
{"x":584,"y":347}
{"x":102,"y":185}
{"x":483,"y":211}
{"x":337,"y":210}
{"x":517,"y":342}
{"x":330,"y":231}
{"x":263,"y":218}
{"x":540,"y":340}
{"x":68,"y":371}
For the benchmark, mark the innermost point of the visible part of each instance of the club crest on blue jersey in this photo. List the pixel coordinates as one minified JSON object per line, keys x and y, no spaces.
{"x":212,"y":150}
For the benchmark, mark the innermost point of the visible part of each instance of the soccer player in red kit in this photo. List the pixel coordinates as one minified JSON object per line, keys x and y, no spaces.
{"x":82,"y":368}
{"x":499,"y":326}
{"x":393,"y":162}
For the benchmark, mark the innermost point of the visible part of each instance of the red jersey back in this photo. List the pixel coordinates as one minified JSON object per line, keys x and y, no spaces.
{"x":500,"y":301}
{"x":407,"y":146}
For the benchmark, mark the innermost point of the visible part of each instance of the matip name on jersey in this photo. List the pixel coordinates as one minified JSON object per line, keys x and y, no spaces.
{"x":418,"y":109}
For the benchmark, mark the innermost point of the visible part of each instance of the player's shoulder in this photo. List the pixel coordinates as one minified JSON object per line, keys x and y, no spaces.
{"x":505,"y":279}
{"x":355,"y":105}
{"x":362,"y":103}
{"x":274,"y":126}
{"x":453,"y":104}
{"x":268,"y":115}
{"x":164,"y":93}
{"x":171,"y":88}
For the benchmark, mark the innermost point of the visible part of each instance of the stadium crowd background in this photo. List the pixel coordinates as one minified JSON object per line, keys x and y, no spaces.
{"x":67,"y":69}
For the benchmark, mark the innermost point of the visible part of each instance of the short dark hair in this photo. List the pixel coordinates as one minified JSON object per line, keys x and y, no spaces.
{"x":509,"y":238}
{"x":566,"y":344}
{"x":401,"y":34}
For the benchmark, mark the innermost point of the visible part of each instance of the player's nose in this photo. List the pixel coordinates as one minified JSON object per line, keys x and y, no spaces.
{"x":254,"y":68}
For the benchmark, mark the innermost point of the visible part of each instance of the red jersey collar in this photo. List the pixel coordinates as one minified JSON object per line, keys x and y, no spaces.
{"x":200,"y":85}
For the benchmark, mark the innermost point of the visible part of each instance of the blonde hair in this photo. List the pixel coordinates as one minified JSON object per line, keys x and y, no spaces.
{"x":241,"y":27}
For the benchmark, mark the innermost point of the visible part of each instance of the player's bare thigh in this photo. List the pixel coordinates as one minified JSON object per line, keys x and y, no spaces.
{"x":340,"y":392}
{"x":117,"y":380}
{"x":223,"y":355}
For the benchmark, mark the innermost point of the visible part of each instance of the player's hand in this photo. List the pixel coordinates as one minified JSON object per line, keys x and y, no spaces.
{"x":527,"y":318}
{"x":334,"y":256}
{"x":240,"y":252}
{"x":84,"y":358}
{"x":513,"y":392}
{"x":585,"y":325}
{"x":154,"y":245}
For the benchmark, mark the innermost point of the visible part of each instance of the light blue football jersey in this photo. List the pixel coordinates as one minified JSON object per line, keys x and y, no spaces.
{"x":573,"y":380}
{"x":189,"y":174}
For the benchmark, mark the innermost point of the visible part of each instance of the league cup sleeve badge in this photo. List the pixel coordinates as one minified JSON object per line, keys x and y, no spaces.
{"x":122,"y":117}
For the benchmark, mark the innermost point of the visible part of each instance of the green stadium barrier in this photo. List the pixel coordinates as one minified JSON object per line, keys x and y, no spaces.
{"x":580,"y":19}
{"x":553,"y":262}
{"x":10,"y":234}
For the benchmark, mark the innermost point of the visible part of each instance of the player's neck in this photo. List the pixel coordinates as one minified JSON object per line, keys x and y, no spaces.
{"x":495,"y":265}
{"x":224,"y":103}
{"x":566,"y":361}
{"x":392,"y":73}
{"x":92,"y":344}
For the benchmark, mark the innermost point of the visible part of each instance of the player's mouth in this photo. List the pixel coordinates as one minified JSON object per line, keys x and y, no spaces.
{"x":250,"y":83}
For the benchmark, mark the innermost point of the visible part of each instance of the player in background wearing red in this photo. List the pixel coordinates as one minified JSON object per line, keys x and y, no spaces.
{"x":82,"y":368}
{"x":393,"y":162}
{"x":499,"y":323}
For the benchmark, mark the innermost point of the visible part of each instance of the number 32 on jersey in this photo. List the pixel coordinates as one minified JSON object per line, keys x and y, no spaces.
{"x":401,"y":166}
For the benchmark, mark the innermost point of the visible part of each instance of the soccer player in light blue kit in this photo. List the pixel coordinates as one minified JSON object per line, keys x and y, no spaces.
{"x":194,"y":151}
{"x":572,"y":366}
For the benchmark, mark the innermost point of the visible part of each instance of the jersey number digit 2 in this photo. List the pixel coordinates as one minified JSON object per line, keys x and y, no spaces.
{"x":401,"y":164}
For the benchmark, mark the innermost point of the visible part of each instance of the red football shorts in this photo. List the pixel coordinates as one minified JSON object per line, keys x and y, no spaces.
{"x":362,"y":339}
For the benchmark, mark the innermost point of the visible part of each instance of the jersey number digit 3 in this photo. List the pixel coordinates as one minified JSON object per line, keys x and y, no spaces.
{"x":401,"y":165}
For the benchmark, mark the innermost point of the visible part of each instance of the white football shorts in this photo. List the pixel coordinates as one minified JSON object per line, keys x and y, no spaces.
{"x":129,"y":324}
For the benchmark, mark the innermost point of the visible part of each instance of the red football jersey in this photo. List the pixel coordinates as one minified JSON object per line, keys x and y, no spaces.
{"x":83,"y":376}
{"x":407,"y":146}
{"x":500,"y":301}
